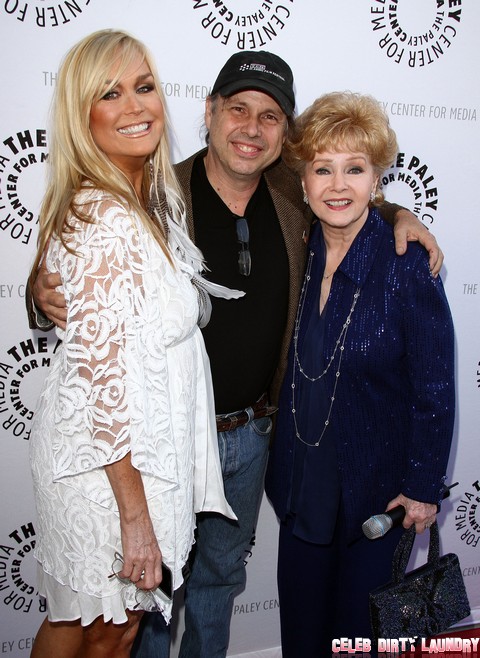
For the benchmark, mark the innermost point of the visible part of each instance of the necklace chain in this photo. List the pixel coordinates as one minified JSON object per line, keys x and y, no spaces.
{"x":339,"y":347}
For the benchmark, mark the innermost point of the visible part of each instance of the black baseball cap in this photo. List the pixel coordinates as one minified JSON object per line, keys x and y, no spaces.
{"x":258,"y":70}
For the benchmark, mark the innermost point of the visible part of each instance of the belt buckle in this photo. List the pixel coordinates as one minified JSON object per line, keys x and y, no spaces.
{"x":233,"y":420}
{"x":229,"y":422}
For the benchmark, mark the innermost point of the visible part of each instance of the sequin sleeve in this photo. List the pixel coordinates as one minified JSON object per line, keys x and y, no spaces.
{"x":430,"y":354}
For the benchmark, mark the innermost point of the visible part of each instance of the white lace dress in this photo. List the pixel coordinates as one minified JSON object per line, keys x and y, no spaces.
{"x":132,"y":375}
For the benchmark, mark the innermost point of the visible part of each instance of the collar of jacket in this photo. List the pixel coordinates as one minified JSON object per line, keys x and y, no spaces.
{"x":360,"y":257}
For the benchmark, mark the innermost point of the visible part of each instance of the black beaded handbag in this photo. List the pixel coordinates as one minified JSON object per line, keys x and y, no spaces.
{"x":423,"y":602}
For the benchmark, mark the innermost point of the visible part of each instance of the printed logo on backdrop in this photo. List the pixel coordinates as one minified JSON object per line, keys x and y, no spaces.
{"x":38,"y":14}
{"x":23,"y":368}
{"x":430,"y":112}
{"x":467,"y":516}
{"x":22,"y":169}
{"x":248,"y":607}
{"x":414,"y":33}
{"x":411,"y":183}
{"x":18,"y":571}
{"x":243,"y":24}
{"x":248,"y":552}
{"x":12,"y":290}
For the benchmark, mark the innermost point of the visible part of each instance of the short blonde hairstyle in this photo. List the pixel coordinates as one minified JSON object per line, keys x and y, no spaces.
{"x":342,"y":120}
{"x":73,"y":155}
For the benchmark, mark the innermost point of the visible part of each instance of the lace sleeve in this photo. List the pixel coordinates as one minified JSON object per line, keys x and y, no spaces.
{"x":91,"y":415}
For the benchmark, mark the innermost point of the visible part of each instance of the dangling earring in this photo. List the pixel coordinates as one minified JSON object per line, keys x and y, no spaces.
{"x":372,"y":196}
{"x":305,"y":197}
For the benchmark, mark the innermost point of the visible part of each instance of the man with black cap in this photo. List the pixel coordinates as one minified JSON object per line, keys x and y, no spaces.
{"x":246,"y":212}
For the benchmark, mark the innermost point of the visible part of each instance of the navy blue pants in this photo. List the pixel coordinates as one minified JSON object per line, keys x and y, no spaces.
{"x":323,"y":589}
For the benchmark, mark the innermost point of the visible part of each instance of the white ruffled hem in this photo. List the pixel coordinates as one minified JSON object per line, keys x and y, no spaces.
{"x":65,"y":604}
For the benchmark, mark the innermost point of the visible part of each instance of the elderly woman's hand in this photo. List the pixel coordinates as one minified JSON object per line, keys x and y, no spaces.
{"x":423,"y":515}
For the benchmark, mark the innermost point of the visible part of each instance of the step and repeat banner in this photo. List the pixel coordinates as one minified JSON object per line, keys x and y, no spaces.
{"x":418,"y":57}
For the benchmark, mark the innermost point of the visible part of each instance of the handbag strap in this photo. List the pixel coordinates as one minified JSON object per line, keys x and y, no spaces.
{"x":404,"y":550}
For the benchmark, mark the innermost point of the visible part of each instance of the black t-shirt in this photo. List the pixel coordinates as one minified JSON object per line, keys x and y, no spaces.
{"x":244,"y":336}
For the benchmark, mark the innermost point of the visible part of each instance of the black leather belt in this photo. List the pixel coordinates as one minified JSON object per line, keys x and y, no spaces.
{"x":260,"y":409}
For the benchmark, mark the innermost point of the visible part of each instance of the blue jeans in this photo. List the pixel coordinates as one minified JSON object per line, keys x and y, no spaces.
{"x":153,"y":637}
{"x":218,"y":566}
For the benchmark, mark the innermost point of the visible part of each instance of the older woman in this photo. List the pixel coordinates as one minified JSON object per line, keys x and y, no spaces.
{"x":367,"y":405}
{"x":123,"y":446}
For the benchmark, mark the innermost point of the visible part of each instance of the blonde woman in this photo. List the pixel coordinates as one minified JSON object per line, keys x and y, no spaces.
{"x":123,"y":445}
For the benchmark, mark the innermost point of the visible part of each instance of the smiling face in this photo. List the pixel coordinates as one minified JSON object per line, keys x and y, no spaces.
{"x":338,"y":186}
{"x":246,"y":134}
{"x":127,"y":122}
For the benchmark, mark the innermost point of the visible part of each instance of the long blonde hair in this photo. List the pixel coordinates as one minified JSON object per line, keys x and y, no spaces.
{"x":75,"y":158}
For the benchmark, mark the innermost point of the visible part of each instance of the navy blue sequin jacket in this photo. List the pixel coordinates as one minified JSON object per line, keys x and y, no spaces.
{"x":393,"y":416}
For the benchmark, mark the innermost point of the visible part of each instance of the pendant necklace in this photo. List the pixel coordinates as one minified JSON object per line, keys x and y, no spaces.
{"x":339,"y":347}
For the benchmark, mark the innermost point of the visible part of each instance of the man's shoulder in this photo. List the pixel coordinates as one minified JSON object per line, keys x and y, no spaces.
{"x":279,"y":171}
{"x":284,"y":182}
{"x":184,"y":168}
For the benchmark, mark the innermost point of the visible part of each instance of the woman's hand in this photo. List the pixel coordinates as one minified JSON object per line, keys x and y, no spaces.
{"x":142,"y":558}
{"x":423,"y":515}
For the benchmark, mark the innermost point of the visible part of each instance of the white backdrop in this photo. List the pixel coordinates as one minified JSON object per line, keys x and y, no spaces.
{"x":419,"y":57}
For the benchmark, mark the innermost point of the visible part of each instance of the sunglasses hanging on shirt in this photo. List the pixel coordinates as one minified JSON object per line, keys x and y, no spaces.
{"x":243,"y":238}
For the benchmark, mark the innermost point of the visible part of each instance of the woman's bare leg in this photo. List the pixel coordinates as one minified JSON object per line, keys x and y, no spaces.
{"x":109,"y":640}
{"x":98,"y":640}
{"x":57,"y":640}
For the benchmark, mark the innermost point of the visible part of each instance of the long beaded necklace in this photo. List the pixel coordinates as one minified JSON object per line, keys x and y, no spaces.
{"x":339,"y":347}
